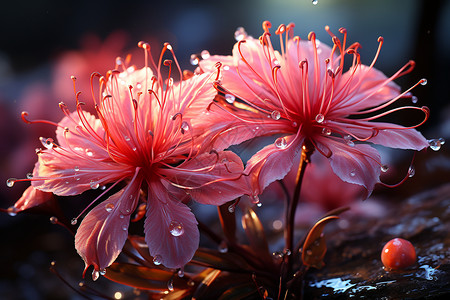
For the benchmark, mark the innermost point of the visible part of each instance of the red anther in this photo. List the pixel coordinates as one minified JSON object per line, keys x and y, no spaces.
{"x":281,"y":29}
{"x":312,"y":36}
{"x":327,"y":61}
{"x":167,"y":62}
{"x":218,"y":65}
{"x":290,"y":26}
{"x":296,"y":39}
{"x":342,"y":30}
{"x":73,"y":78}
{"x":24,"y":114}
{"x":302,"y":63}
{"x":398,"y":254}
{"x":144,"y":45}
{"x":380,"y":39}
{"x":266,"y":25}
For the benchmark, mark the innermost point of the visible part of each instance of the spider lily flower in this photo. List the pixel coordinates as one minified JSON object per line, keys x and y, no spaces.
{"x":303,"y":94}
{"x":142,"y":135}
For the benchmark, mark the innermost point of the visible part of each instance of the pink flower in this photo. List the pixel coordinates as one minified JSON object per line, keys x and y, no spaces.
{"x":143,"y":136}
{"x":303,"y":94}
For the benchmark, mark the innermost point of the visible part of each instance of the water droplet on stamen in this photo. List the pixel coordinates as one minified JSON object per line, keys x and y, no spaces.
{"x":352,"y":173}
{"x":181,"y":272}
{"x":109,"y":207}
{"x":326,"y":131}
{"x":176,"y":228}
{"x":231,"y":208}
{"x":384,"y":168}
{"x":157,"y":260}
{"x":223,"y":247}
{"x":435,"y":144}
{"x":194,"y":60}
{"x":74,"y":221}
{"x":314,"y":2}
{"x":95,"y":275}
{"x":411,"y":171}
{"x":205,"y":54}
{"x":320,"y":118}
{"x":229,"y":98}
{"x":414,"y":99}
{"x":170,"y":285}
{"x":10,"y":182}
{"x":275,"y":115}
{"x":240,"y":34}
{"x":423,"y":81}
{"x":94,"y":185}
{"x":53,"y":220}
{"x":47,"y":143}
{"x":12,"y":211}
{"x":281,"y":143}
{"x":287,"y":252}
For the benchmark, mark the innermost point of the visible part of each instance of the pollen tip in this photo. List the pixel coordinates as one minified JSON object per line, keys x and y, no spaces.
{"x":281,"y":29}
{"x":266,"y":25}
{"x":312,"y":36}
{"x":380,"y":39}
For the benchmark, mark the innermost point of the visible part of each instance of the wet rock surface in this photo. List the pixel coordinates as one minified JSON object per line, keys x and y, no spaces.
{"x":353,"y":261}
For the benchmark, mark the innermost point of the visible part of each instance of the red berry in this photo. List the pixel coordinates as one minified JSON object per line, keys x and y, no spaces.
{"x":398,"y":254}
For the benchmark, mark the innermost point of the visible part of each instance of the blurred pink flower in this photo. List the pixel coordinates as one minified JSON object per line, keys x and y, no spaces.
{"x":303,"y":94}
{"x":142,"y":135}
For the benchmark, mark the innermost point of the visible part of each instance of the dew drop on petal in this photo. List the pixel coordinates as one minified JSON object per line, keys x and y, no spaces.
{"x":76,"y":169}
{"x":352,"y":173}
{"x":384,"y":168}
{"x":259,"y":204}
{"x":109,"y":207}
{"x":205,"y":54}
{"x":181,"y":272}
{"x":102,"y":272}
{"x":12,"y":211}
{"x":29,"y":175}
{"x":314,"y":2}
{"x":89,"y":152}
{"x":254,"y":198}
{"x":74,"y":221}
{"x":326,"y":131}
{"x":229,"y":98}
{"x":320,"y":118}
{"x":184,"y":126}
{"x":127,"y":138}
{"x":348,"y":140}
{"x":124,"y":227}
{"x":94,"y":185}
{"x":423,"y":81}
{"x":276,"y":62}
{"x":281,"y":143}
{"x":176,"y":228}
{"x":10,"y":182}
{"x":194,"y":60}
{"x":231,"y":208}
{"x":95,"y":275}
{"x":411,"y":171}
{"x":240,"y":34}
{"x":47,"y":143}
{"x":414,"y":99}
{"x":170,"y":285}
{"x":223,"y":247}
{"x":275,"y":115}
{"x":157,"y":260}
{"x":435,"y":144}
{"x":53,"y":220}
{"x":442,"y":141}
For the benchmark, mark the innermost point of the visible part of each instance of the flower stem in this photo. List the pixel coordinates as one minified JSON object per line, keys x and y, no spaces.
{"x":307,"y":150}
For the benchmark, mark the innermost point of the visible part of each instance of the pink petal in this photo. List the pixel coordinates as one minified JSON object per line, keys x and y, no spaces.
{"x":164,"y":212}
{"x":210,"y":178}
{"x":272,"y":163}
{"x":399,"y":137}
{"x":104,"y":230}
{"x":31,"y":198}
{"x":359,"y":164}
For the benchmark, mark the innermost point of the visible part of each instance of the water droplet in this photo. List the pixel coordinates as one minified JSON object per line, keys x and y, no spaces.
{"x":95,"y":275}
{"x":423,"y":81}
{"x":275,"y":115}
{"x":103,"y":187}
{"x":435,"y":144}
{"x":194,"y":60}
{"x":121,"y":216}
{"x":294,"y":124}
{"x":184,"y":127}
{"x":229,"y":98}
{"x":170,"y":285}
{"x":76,"y":169}
{"x":157,"y":260}
{"x":127,"y":138}
{"x":411,"y":171}
{"x":259,"y":204}
{"x":223,"y":247}
{"x":53,"y":220}
{"x":124,"y":227}
{"x":94,"y":185}
{"x":326,"y":131}
{"x":176,"y":228}
{"x":414,"y":99}
{"x":89,"y":152}
{"x":29,"y":175}
{"x":109,"y":207}
{"x":240,"y":34}
{"x":12,"y":211}
{"x":231,"y":208}
{"x":348,"y":140}
{"x":205,"y":54}
{"x":181,"y":272}
{"x":102,"y":271}
{"x":281,"y":143}
{"x":74,"y":221}
{"x":254,"y":198}
{"x":287,"y":252}
{"x":47,"y":143}
{"x":352,"y":173}
{"x":134,"y":148}
{"x":66,"y":129}
{"x":10,"y":182}
{"x":118,"y":61}
{"x":278,"y":254}
{"x":320,"y":118}
{"x":276,"y":62}
{"x":384,"y":168}
{"x":314,"y":2}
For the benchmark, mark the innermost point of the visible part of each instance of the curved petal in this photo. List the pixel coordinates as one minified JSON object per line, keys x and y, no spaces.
{"x":213,"y":178}
{"x":104,"y":230}
{"x":359,"y":164}
{"x":399,"y":137}
{"x":30,"y":198}
{"x":272,"y":163}
{"x":165,"y":213}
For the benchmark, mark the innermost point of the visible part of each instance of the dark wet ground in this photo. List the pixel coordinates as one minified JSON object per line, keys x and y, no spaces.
{"x":353,"y":264}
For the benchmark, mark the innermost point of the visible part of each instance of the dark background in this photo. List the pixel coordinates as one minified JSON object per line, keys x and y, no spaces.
{"x":35,"y":34}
